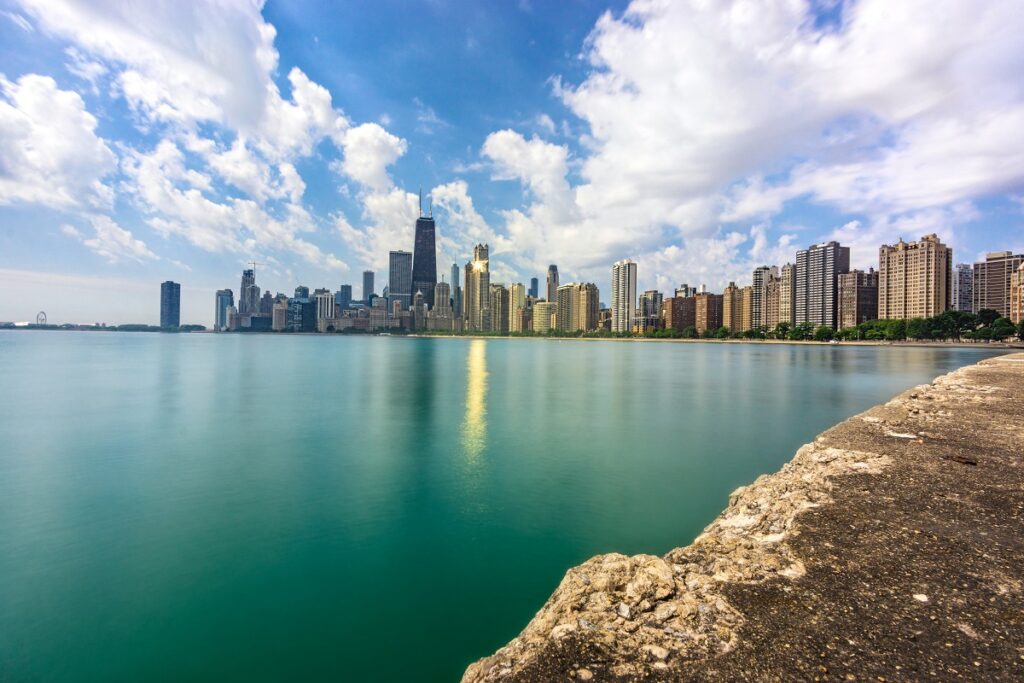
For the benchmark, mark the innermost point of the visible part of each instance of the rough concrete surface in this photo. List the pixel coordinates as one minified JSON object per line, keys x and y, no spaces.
{"x":890,"y":548}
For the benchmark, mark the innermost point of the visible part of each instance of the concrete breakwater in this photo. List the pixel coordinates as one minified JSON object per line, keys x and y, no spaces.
{"x":889,"y":548}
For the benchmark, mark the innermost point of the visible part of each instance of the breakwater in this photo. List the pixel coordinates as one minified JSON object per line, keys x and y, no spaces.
{"x":891,"y":547}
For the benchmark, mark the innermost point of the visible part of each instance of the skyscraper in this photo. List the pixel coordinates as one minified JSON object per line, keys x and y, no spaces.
{"x":708,"y":312}
{"x":170,"y":304}
{"x":400,"y":278}
{"x":516,"y":303}
{"x":367,"y":286}
{"x":476,"y":297}
{"x":225,"y":299}
{"x":732,"y":308}
{"x":424,"y":260}
{"x":962,"y":298}
{"x":786,"y":281}
{"x":623,"y":295}
{"x":760,"y":282}
{"x":249,"y":294}
{"x":992,"y":281}
{"x":499,"y":308}
{"x":456,"y":292}
{"x":816,"y":283}
{"x":914,"y":280}
{"x":534,"y":287}
{"x":344,"y":297}
{"x":858,"y":297}
{"x":552,"y":291}
{"x":301,"y":292}
{"x":565,"y":298}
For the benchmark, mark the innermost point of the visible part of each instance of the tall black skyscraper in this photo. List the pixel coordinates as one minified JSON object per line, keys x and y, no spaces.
{"x":424,"y":257}
{"x":170,"y":304}
{"x":534,"y":287}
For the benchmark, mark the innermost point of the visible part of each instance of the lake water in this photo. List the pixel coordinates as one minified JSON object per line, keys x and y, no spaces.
{"x":366,"y":509}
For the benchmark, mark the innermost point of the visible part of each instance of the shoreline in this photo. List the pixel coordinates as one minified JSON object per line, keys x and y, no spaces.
{"x":890,"y":547}
{"x":1010,"y":346}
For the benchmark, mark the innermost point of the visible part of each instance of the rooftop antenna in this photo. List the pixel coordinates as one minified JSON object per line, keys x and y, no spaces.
{"x":254,"y":264}
{"x":421,"y":200}
{"x":431,"y":206}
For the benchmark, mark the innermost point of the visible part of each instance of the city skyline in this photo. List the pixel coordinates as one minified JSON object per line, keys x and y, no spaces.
{"x":165,"y":173}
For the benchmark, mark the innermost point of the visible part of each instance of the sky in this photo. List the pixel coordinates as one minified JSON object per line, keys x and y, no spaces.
{"x":156,"y":140}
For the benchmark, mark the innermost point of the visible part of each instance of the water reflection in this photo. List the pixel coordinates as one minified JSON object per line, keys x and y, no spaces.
{"x":474,"y":427}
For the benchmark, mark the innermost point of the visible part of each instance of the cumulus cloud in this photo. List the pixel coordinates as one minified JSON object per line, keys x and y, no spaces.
{"x":49,"y":151}
{"x":111,"y":241}
{"x":702,"y":116}
{"x":369,"y":150}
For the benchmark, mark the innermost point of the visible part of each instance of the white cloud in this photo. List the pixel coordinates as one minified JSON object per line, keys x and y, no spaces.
{"x":111,"y":241}
{"x":49,"y":151}
{"x":703,"y":112}
{"x":369,"y":150}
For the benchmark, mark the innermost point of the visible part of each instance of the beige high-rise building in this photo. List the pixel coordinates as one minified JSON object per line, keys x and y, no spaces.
{"x":477,"y":295}
{"x":786,"y":293}
{"x":577,"y":307}
{"x":992,"y":281}
{"x":747,"y":308}
{"x":732,"y":308}
{"x":516,"y":304}
{"x":1017,"y":295}
{"x":915,"y":279}
{"x":543,"y":312}
{"x":623,"y":295}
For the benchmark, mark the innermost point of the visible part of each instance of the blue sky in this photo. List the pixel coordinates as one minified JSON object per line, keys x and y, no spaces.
{"x":164,"y":140}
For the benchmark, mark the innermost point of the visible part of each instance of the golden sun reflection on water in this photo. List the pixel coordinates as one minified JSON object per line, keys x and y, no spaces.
{"x":474,"y":428}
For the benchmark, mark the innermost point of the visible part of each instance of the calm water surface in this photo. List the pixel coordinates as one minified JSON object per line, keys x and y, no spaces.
{"x":285,"y":508}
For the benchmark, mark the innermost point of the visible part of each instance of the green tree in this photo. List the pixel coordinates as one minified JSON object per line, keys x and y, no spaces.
{"x":987,"y":316}
{"x":823,"y":333}
{"x":722,"y":332}
{"x":690,"y":332}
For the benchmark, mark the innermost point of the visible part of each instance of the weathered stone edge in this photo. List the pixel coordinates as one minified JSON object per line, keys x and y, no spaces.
{"x":660,"y":611}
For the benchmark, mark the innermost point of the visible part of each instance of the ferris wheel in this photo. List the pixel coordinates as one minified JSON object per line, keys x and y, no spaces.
{"x":41,"y":318}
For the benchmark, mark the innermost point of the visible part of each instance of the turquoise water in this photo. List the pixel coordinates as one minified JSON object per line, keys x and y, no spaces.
{"x":300,"y":507}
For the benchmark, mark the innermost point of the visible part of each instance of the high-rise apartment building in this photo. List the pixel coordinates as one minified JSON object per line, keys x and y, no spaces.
{"x":786,"y":282}
{"x":499,"y":308}
{"x":747,"y":308}
{"x":1017,"y":295}
{"x":650,"y":303}
{"x":225,"y":299}
{"x":266,"y":304}
{"x":516,"y":303}
{"x":679,"y":312}
{"x":424,"y":261}
{"x":543,"y":312}
{"x":249,"y":294}
{"x":962,"y":296}
{"x":170,"y":304}
{"x":992,"y":281}
{"x":577,"y":307}
{"x":915,"y":279}
{"x":816,"y":284}
{"x":552,"y":289}
{"x":534,"y":288}
{"x":476,"y":298}
{"x":732,"y":308}
{"x":301,"y":292}
{"x":761,"y":276}
{"x":771,"y":301}
{"x":623,"y":295}
{"x":367,"y":286}
{"x":858,"y":297}
{"x":708,"y":312}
